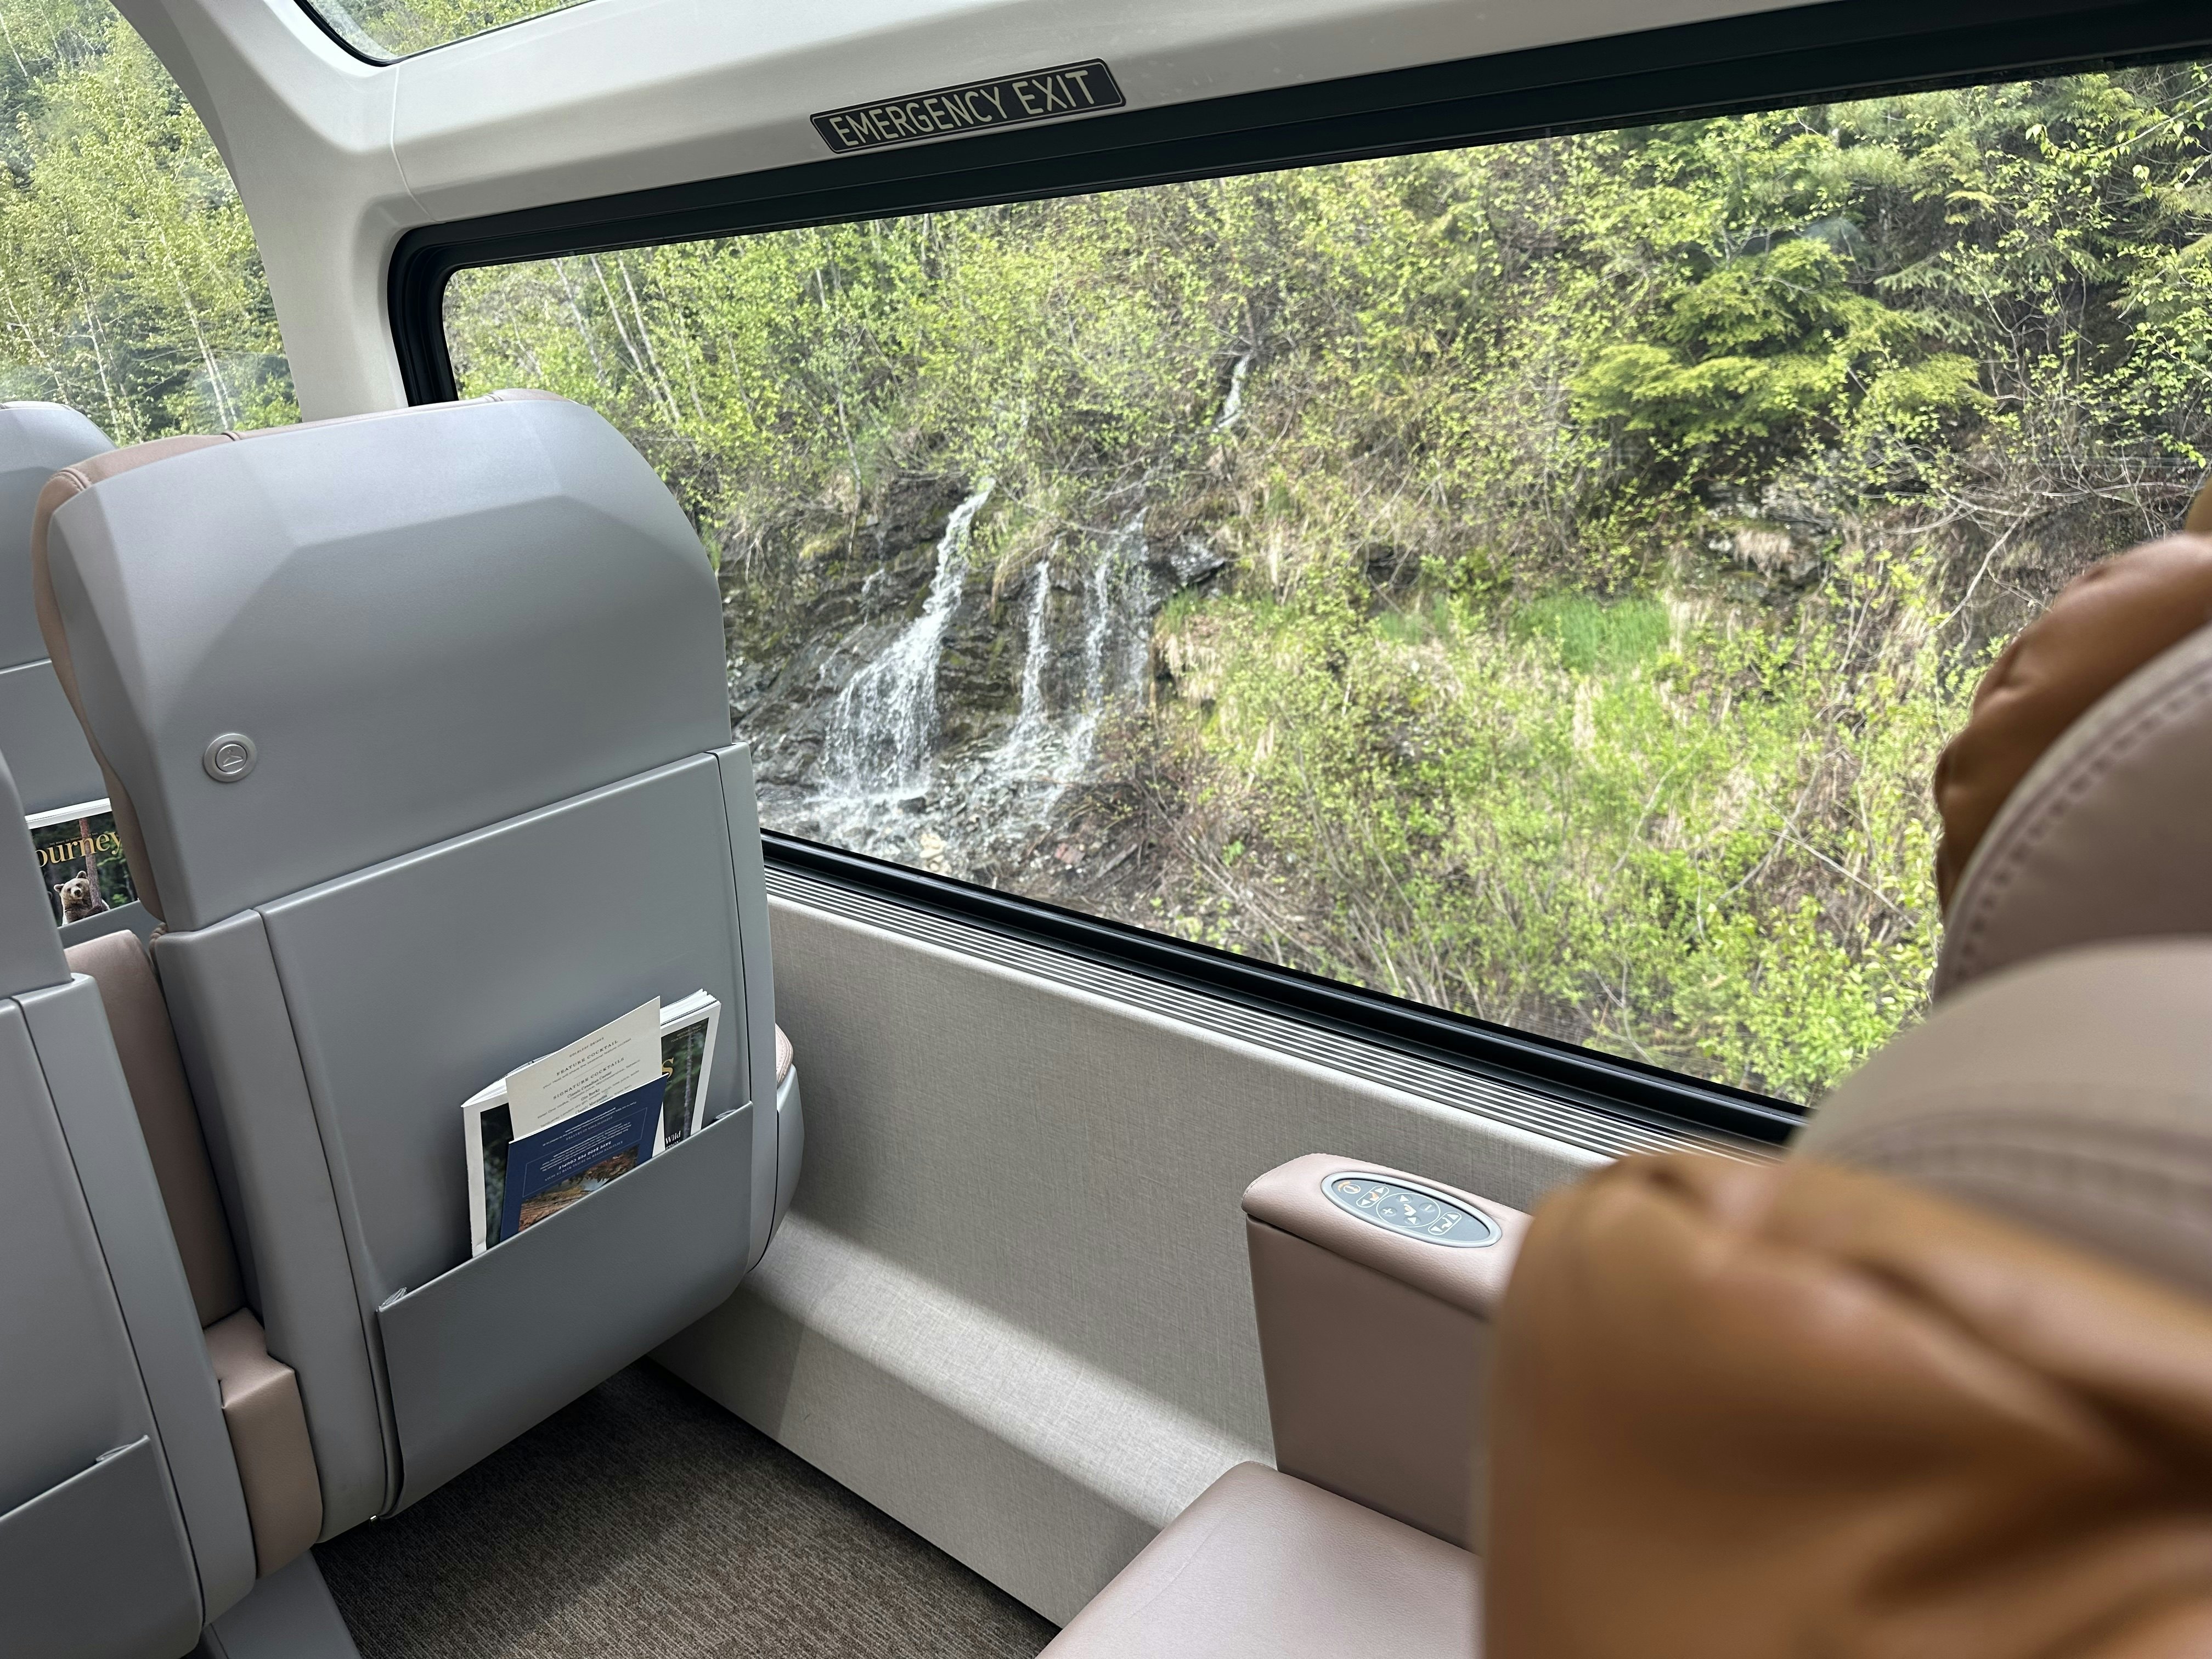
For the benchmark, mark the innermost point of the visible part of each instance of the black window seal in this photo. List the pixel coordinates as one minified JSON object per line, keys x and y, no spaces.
{"x":337,"y":38}
{"x":381,"y":59}
{"x":1527,"y":1059}
{"x":1845,"y":48}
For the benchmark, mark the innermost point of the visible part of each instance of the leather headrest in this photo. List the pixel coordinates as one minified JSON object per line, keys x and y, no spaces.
{"x":2077,"y":800}
{"x":2073,"y":1096}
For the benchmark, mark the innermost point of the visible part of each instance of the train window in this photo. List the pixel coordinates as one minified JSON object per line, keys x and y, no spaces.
{"x":131,"y":289}
{"x":384,"y":31}
{"x":1534,"y":579}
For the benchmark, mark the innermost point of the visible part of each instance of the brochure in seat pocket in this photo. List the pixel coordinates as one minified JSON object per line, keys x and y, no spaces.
{"x":606,"y":1068}
{"x":548,"y":1171}
{"x":688,"y":1029}
{"x":622,"y":1055}
{"x":489,"y":1131}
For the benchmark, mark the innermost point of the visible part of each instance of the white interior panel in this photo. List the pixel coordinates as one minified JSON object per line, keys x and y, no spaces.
{"x":336,"y":159}
{"x":1011,"y":1306}
{"x":307,"y":132}
{"x":621,"y":95}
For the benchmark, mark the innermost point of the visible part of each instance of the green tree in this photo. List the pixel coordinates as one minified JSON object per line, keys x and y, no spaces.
{"x":130,"y":285}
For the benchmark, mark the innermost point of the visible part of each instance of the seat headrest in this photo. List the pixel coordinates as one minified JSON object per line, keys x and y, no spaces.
{"x":2077,"y":800}
{"x":30,"y":948}
{"x":422,"y":623}
{"x":36,"y":441}
{"x":2073,"y":1096}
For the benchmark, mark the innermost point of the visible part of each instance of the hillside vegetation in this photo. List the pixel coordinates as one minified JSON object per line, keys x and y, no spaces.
{"x":1534,"y":579}
{"x":1595,"y":540}
{"x":129,"y":287}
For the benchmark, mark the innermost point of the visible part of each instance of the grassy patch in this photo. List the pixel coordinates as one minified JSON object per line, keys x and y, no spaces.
{"x":1594,"y":636}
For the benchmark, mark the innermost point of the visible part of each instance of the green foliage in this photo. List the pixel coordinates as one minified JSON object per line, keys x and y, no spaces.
{"x":1712,"y":854}
{"x":1591,"y":634}
{"x":1616,"y":523}
{"x":131,"y":288}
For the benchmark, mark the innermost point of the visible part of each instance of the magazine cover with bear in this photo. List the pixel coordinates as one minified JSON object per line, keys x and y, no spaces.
{"x":80,"y":861}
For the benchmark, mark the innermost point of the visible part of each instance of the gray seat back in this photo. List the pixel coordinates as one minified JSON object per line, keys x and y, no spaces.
{"x":38,"y":733}
{"x":475,"y":655}
{"x":123,"y":1525}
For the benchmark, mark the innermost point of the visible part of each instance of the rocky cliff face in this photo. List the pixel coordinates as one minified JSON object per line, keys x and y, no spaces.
{"x":912,"y":697}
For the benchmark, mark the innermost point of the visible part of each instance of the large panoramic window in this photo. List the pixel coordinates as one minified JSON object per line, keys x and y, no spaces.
{"x":1534,"y":579}
{"x":130,"y":285}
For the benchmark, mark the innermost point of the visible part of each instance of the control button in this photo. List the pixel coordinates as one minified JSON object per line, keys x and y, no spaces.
{"x":1407,"y":1209}
{"x":228,"y":757}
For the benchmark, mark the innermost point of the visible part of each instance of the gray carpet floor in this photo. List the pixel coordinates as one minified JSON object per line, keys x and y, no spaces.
{"x":646,"y":1521}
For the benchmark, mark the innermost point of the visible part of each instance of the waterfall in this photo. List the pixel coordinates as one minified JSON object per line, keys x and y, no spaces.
{"x":1232,"y":406}
{"x":884,"y":788}
{"x":1037,"y":749}
{"x":1024,"y":749}
{"x":883,"y":729}
{"x":1108,"y":583}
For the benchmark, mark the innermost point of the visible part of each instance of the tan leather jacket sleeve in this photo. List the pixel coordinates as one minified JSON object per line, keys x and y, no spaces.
{"x":1794,"y":1409}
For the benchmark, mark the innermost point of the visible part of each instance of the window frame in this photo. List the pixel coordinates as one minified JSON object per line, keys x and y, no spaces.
{"x":339,"y":37}
{"x":1843,"y":48}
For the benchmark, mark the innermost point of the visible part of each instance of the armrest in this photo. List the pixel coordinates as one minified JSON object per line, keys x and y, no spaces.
{"x":268,"y":1426}
{"x":1374,"y":1343}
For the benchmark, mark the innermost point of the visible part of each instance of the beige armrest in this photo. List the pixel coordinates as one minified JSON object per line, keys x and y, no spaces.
{"x":268,"y":1426}
{"x":1374,"y":1343}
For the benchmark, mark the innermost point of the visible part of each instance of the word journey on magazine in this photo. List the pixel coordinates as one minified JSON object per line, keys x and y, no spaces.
{"x":558,"y":1129}
{"x":81,"y":858}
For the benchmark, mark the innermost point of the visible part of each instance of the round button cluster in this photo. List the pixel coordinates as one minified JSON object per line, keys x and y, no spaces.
{"x":228,"y":757}
{"x":1410,"y":1210}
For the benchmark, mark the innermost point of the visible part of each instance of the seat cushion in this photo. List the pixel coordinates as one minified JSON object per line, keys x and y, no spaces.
{"x":146,"y":1043}
{"x":1266,"y":1565}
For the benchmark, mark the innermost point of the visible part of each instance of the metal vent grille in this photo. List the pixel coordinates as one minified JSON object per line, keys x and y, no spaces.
{"x":1526,"y":1110}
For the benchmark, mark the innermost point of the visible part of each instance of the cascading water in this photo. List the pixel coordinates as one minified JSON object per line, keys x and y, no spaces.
{"x":1104,"y":596}
{"x":1027,"y":739}
{"x":1007,"y":797}
{"x":882,"y":786}
{"x":882,"y":733}
{"x":884,"y":727}
{"x":1232,"y":406}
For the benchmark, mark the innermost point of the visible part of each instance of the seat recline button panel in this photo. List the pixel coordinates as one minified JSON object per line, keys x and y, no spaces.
{"x":1402,"y":1207}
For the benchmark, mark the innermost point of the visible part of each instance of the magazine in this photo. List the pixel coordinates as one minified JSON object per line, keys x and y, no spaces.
{"x":551,"y":1169}
{"x":80,"y":859}
{"x":687,"y":1031}
{"x":488,"y":1130}
{"x":622,"y":1055}
{"x":687,"y":1060}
